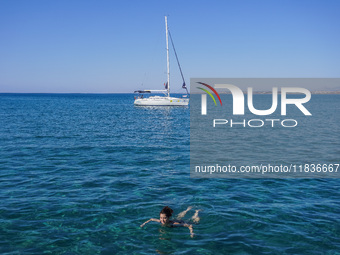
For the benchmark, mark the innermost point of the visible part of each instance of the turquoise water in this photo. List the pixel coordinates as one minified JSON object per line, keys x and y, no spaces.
{"x":80,"y":173}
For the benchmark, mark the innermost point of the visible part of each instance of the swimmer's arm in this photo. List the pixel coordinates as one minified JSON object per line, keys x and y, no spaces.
{"x":152,"y":219}
{"x":189,"y":226}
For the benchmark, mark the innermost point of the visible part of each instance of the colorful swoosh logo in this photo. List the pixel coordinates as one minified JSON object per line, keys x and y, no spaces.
{"x":209,"y":93}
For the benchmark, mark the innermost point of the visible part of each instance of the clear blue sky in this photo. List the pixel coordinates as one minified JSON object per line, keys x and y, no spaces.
{"x":119,"y":46}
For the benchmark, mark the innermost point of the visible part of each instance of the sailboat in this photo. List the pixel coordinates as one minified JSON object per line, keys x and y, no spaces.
{"x":166,"y":100}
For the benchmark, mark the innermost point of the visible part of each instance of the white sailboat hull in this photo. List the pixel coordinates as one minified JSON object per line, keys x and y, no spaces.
{"x":161,"y":101}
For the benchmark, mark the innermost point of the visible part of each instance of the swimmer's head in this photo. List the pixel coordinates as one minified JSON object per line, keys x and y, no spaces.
{"x":165,"y":214}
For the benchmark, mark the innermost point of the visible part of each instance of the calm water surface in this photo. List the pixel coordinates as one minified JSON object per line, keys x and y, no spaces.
{"x":80,"y":173}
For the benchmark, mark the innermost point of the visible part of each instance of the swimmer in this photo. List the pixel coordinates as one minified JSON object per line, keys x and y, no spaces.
{"x":166,"y":213}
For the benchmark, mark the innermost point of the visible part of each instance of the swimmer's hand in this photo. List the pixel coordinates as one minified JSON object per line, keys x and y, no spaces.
{"x":152,"y":219}
{"x":191,"y":231}
{"x":189,"y":226}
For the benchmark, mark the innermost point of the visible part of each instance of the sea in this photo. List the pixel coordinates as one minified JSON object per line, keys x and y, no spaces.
{"x":79,"y":174}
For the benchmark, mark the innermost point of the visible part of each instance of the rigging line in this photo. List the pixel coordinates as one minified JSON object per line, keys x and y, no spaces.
{"x":173,"y":46}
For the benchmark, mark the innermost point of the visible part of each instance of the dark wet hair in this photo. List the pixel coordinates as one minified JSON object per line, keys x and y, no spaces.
{"x":167,"y":211}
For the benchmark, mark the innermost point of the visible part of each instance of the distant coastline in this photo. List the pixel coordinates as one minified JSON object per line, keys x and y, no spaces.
{"x":321,"y":92}
{"x":317,"y":92}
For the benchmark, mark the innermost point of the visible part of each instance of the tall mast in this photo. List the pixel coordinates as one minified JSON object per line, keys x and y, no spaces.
{"x":167,"y":54}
